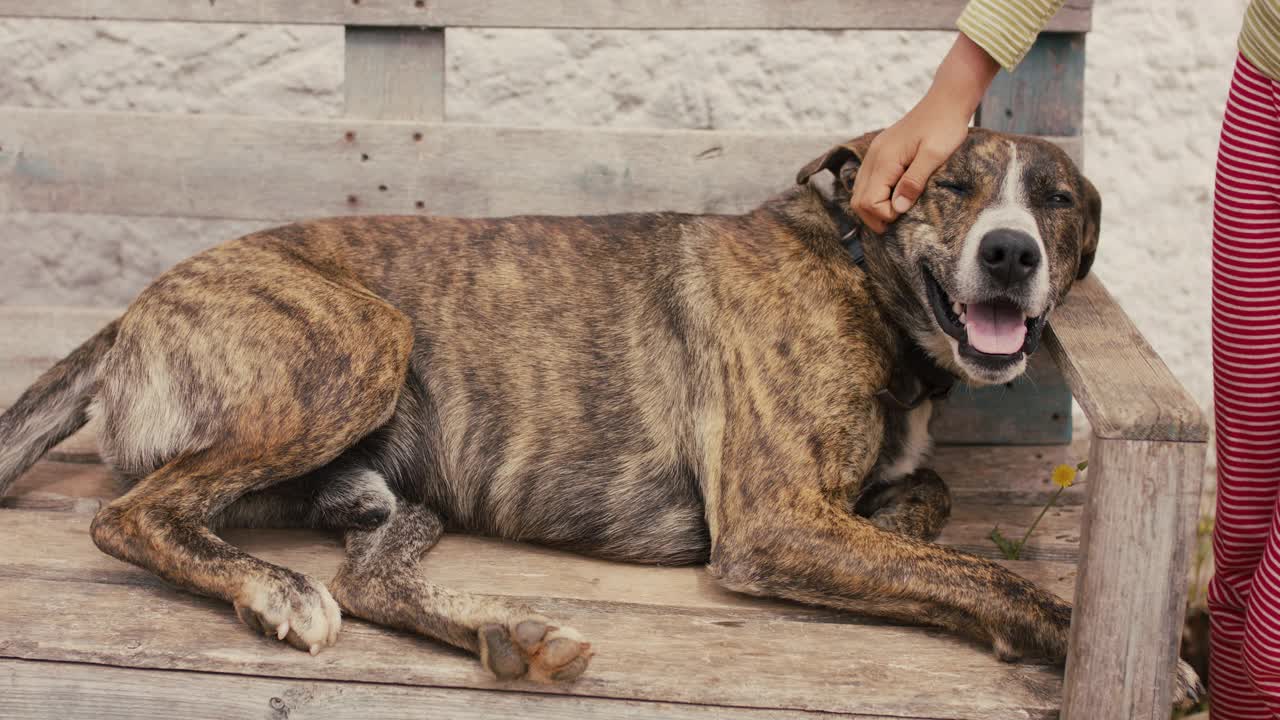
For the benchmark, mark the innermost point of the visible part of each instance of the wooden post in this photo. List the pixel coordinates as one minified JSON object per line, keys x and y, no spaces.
{"x":395,"y":73}
{"x":1140,"y":511}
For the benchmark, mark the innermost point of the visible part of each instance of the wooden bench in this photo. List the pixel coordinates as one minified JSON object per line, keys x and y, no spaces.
{"x":83,"y":634}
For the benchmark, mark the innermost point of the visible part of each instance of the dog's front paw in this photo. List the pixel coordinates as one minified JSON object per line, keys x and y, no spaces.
{"x":1187,"y":688}
{"x":292,"y":607}
{"x":1039,"y":631}
{"x":533,"y":649}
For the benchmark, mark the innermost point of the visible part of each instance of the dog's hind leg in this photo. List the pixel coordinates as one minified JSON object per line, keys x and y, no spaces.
{"x":381,"y":582}
{"x":287,"y":372}
{"x":917,"y":505}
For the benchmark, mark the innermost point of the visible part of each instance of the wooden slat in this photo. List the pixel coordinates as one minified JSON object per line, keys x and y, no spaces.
{"x":272,"y":169}
{"x":604,"y":14}
{"x":661,"y":634}
{"x":39,"y":690}
{"x":1046,"y":94}
{"x":394,"y":73}
{"x":1130,"y":601}
{"x":1125,"y":388}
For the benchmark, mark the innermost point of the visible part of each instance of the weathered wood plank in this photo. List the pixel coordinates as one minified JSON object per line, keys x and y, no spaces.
{"x":1125,"y":388}
{"x":604,"y":14}
{"x":274,"y":169}
{"x":1130,"y":601}
{"x":394,"y":73}
{"x":39,"y":690}
{"x":643,"y":653}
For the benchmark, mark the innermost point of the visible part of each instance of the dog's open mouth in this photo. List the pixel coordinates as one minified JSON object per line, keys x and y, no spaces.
{"x":993,"y":332}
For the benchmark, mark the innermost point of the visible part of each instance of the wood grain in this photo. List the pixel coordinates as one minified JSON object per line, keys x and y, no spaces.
{"x":40,"y":690}
{"x":1126,"y":390}
{"x":275,"y":169}
{"x":703,"y":656}
{"x":394,"y":73}
{"x":1138,"y":526}
{"x":617,"y":14}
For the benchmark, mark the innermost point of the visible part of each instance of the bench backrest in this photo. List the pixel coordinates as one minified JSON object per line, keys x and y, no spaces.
{"x":395,"y":151}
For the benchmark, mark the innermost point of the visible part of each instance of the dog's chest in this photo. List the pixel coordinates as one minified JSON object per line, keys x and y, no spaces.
{"x":907,"y":441}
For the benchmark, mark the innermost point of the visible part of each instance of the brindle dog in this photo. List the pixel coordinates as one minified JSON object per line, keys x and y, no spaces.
{"x":654,"y":388}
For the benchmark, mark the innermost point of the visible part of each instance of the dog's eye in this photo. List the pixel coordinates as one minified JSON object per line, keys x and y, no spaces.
{"x":1060,"y":200}
{"x":953,"y":187}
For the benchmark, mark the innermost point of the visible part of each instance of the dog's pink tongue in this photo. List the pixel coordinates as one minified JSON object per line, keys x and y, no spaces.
{"x":995,"y":328}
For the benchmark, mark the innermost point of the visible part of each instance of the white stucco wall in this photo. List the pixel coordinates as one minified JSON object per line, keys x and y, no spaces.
{"x":1157,"y":77}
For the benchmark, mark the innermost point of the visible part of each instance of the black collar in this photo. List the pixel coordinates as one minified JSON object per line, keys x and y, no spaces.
{"x":924,"y":379}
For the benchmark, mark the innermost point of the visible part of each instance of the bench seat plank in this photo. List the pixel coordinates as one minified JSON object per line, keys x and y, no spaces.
{"x":662,"y":634}
{"x":111,"y":693}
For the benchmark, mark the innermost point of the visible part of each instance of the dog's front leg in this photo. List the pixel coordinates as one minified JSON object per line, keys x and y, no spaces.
{"x":820,"y":554}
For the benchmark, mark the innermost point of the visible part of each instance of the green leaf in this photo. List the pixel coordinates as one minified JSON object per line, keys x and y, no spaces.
{"x":1083,"y":465}
{"x":1009,"y":548}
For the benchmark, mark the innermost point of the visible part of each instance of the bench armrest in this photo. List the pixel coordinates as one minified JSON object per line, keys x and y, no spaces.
{"x":1126,"y":390}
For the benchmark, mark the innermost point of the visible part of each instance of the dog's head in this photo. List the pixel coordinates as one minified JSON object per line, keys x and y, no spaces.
{"x":974,"y":269}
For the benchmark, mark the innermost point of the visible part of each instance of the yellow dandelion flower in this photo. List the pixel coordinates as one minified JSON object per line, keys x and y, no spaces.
{"x":1064,"y":476}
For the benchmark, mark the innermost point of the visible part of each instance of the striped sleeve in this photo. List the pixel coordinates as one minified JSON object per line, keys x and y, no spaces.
{"x":1006,"y":29}
{"x":1260,"y":36}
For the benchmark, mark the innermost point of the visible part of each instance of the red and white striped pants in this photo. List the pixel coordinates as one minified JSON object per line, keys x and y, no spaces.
{"x":1244,"y":595}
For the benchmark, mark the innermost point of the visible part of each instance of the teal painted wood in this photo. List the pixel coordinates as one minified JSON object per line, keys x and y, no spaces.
{"x":1035,"y":409}
{"x":1044,"y":95}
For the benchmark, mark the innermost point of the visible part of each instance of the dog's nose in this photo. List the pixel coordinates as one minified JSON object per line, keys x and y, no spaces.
{"x":1009,"y":256}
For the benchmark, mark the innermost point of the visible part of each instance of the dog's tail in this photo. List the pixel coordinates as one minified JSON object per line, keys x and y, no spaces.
{"x":55,"y":406}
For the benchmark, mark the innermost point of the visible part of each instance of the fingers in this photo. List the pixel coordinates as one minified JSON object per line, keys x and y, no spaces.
{"x":912,"y":182}
{"x":873,"y":187}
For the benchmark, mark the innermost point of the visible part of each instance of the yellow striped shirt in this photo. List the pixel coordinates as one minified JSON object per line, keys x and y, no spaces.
{"x":1006,"y":29}
{"x":1260,"y":36}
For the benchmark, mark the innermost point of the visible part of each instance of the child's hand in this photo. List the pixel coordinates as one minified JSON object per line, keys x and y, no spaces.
{"x":903,"y":157}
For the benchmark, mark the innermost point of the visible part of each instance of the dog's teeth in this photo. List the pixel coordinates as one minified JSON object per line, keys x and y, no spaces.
{"x":283,"y":630}
{"x":955,"y":307}
{"x":963,"y":320}
{"x":315,"y":650}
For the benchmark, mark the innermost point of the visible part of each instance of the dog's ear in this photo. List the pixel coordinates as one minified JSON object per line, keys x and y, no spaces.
{"x":842,"y":160}
{"x":1092,"y":228}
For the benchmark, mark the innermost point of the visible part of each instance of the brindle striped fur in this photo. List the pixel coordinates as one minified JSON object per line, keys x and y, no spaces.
{"x":656,"y":388}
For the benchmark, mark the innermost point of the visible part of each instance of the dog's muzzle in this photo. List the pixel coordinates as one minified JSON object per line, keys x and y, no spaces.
{"x":992,"y":332}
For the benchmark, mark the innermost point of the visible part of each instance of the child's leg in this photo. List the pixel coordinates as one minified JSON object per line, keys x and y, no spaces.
{"x":1244,"y":595}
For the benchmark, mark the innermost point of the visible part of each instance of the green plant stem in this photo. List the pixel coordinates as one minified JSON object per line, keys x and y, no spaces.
{"x":1022,"y":543}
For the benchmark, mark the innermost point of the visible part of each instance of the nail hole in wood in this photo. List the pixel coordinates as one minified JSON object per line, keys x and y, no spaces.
{"x":364,"y":157}
{"x":352,"y":199}
{"x":417,"y":137}
{"x":350,"y":136}
{"x":420,"y":3}
{"x":1056,"y":416}
{"x":420,"y":205}
{"x":382,"y":188}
